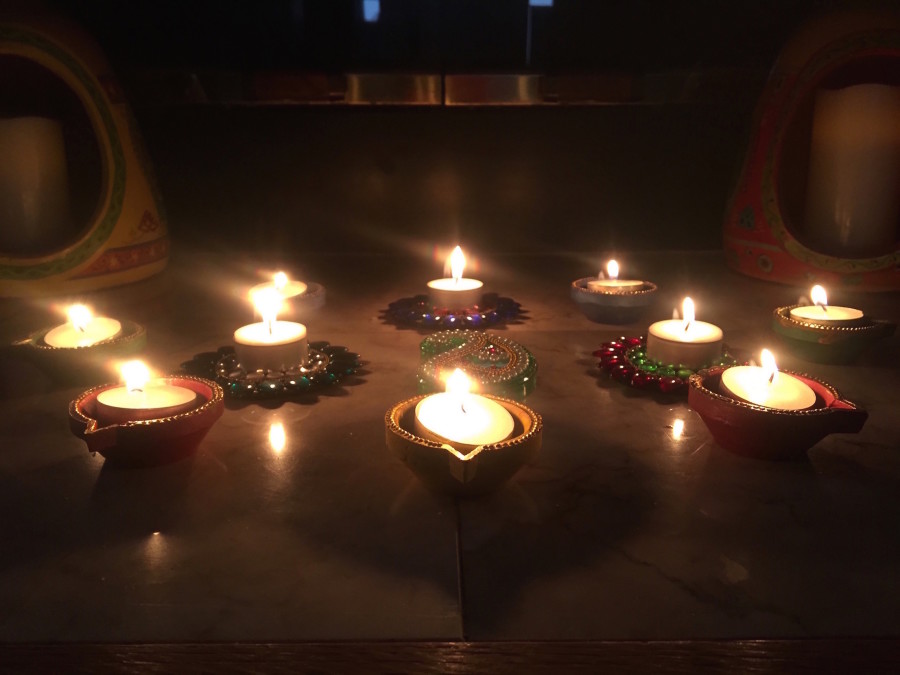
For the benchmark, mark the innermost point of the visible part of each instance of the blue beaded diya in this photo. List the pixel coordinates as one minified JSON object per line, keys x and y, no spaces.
{"x":625,"y":359}
{"x":497,"y":365}
{"x":326,"y":365}
{"x":419,"y":312}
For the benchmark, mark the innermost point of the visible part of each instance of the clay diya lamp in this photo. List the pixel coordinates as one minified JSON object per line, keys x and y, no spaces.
{"x":462,"y":463}
{"x":764,"y":432}
{"x":827,"y":334}
{"x":608,"y":299}
{"x":79,"y":350}
{"x":151,"y":432}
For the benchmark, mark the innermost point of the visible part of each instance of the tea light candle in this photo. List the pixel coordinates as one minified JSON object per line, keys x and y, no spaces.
{"x":462,"y":419}
{"x":455,"y":292}
{"x":286,"y":287}
{"x":766,"y":386}
{"x":822,"y":313}
{"x":270,"y":344}
{"x":612,"y":283}
{"x":83,"y":329}
{"x":141,"y":398}
{"x":684,"y":341}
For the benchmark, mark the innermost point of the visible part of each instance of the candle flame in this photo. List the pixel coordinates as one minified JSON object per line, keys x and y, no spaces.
{"x":277,"y":437}
{"x":136,"y":374}
{"x":458,"y":383}
{"x":457,"y":264}
{"x":770,"y":369}
{"x":80,"y":316}
{"x":612,"y":270}
{"x":458,"y":386}
{"x":280,"y":280}
{"x":267,"y":302}
{"x":818,"y":296}
{"x":687,"y":313}
{"x":677,"y":429}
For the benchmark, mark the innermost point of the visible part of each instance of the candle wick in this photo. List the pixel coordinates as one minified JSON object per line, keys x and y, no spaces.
{"x":771,"y":378}
{"x":462,"y":405}
{"x":270,"y":326}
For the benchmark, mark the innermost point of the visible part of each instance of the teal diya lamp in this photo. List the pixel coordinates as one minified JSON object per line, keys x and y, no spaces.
{"x":823,"y":333}
{"x":608,"y":299}
{"x":81,"y":349}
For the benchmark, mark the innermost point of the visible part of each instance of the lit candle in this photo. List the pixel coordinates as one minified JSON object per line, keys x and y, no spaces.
{"x":83,"y":329}
{"x":684,"y":341}
{"x":822,"y":313}
{"x":286,"y":287}
{"x":462,"y":419}
{"x":270,"y":344}
{"x":612,"y":283}
{"x":455,"y":292}
{"x":141,"y":398}
{"x":765,"y":386}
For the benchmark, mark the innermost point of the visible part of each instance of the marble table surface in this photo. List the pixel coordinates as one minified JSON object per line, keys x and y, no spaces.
{"x":617,"y":530}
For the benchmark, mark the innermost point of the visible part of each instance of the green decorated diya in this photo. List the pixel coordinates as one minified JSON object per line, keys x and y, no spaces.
{"x":495,"y":364}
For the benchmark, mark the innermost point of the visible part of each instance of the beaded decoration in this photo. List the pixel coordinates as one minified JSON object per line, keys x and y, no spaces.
{"x":326,"y":365}
{"x":625,"y":359}
{"x":419,"y":312}
{"x":497,"y":365}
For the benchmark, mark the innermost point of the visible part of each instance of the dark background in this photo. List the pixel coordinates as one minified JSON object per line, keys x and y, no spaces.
{"x":652,"y":173}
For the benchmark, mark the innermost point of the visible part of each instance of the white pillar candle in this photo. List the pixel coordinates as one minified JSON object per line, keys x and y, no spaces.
{"x":612,"y":283}
{"x":820,"y":312}
{"x":270,"y":344}
{"x":141,"y":398}
{"x":34,"y":186}
{"x":852,"y":201}
{"x":82,"y":330}
{"x":766,"y":386}
{"x":455,"y":292}
{"x":462,"y":419}
{"x":684,"y":341}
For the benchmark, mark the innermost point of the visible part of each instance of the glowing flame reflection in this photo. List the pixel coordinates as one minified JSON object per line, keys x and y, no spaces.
{"x":277,"y":437}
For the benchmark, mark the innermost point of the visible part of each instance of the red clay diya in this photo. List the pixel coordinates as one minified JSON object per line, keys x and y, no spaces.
{"x":148,"y":442}
{"x":768,"y":433}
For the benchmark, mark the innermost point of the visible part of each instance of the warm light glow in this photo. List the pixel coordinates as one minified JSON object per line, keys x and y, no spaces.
{"x":277,"y":437}
{"x":612,"y":270}
{"x":458,"y":383}
{"x":677,"y":429}
{"x":687,"y":313}
{"x":770,"y":369}
{"x":280,"y":281}
{"x":80,"y":316}
{"x":135,"y":374}
{"x":818,"y":296}
{"x":267,"y":302}
{"x":457,"y":264}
